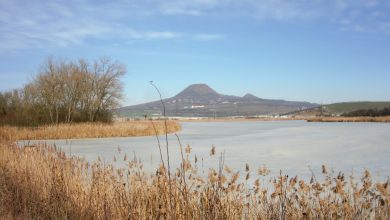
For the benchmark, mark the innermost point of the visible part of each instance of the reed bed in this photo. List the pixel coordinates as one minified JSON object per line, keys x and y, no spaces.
{"x":88,"y":130}
{"x":350,"y":119}
{"x":39,"y":182}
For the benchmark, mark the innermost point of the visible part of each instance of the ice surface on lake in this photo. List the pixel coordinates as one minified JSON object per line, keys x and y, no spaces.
{"x":290,"y":146}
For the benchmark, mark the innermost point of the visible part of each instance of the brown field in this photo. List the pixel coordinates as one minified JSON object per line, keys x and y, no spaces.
{"x":350,"y":119}
{"x":39,"y":182}
{"x":88,"y":130}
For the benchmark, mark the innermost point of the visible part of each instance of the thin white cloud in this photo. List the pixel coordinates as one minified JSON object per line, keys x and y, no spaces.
{"x":193,"y":7}
{"x":355,"y":28}
{"x":208,"y":37}
{"x":151,"y":35}
{"x":372,"y":3}
{"x":385,"y":27}
{"x":32,"y":25}
{"x":286,"y":13}
{"x":363,"y":15}
{"x":342,"y":4}
{"x":180,"y":11}
{"x":40,"y":23}
{"x":164,"y":35}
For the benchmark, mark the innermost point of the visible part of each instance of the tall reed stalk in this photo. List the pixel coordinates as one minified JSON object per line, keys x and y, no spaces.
{"x":40,"y":182}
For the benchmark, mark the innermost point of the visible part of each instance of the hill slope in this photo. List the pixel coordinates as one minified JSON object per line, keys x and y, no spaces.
{"x":202,"y":101}
{"x":343,"y":107}
{"x":340,"y":108}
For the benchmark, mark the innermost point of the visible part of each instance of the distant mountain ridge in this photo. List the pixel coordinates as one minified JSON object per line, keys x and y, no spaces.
{"x":200,"y":100}
{"x":198,"y":90}
{"x":198,"y":93}
{"x":249,"y":96}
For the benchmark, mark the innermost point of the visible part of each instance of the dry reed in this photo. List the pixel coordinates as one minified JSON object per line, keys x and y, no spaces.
{"x":88,"y":130}
{"x":39,"y":182}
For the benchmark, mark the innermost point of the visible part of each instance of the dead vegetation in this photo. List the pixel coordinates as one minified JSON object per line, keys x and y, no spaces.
{"x":88,"y":130}
{"x":39,"y":182}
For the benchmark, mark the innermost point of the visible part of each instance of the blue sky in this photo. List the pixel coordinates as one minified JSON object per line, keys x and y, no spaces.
{"x":321,"y":51}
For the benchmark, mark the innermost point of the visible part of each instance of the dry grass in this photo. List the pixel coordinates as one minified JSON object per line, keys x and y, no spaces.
{"x":88,"y":130}
{"x":350,"y":119}
{"x":39,"y":182}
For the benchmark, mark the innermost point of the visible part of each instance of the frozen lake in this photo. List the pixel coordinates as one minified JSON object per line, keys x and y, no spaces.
{"x":290,"y":146}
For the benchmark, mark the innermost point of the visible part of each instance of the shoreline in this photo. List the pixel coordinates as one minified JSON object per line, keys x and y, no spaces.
{"x":236,"y":119}
{"x":139,"y":128}
{"x":384,"y":119}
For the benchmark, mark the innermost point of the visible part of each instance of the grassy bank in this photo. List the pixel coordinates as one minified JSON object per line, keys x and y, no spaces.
{"x":350,"y":119}
{"x":88,"y":130}
{"x":40,"y":183}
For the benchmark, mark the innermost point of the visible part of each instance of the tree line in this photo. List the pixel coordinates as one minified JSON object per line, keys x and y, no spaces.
{"x":65,"y":92}
{"x":368,"y":112}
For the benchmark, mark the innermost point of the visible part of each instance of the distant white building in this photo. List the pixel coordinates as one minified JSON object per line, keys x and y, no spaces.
{"x":197,"y":106}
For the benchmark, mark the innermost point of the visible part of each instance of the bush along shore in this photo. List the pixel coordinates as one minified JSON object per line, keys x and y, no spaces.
{"x":88,"y":130}
{"x":40,"y":182}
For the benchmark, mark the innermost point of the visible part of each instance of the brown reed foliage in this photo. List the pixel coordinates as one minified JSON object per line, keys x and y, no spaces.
{"x":88,"y":130}
{"x":39,"y":182}
{"x":350,"y":119}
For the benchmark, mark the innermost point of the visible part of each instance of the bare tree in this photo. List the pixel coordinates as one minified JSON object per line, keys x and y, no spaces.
{"x":106,"y":85}
{"x":64,"y":91}
{"x":50,"y":87}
